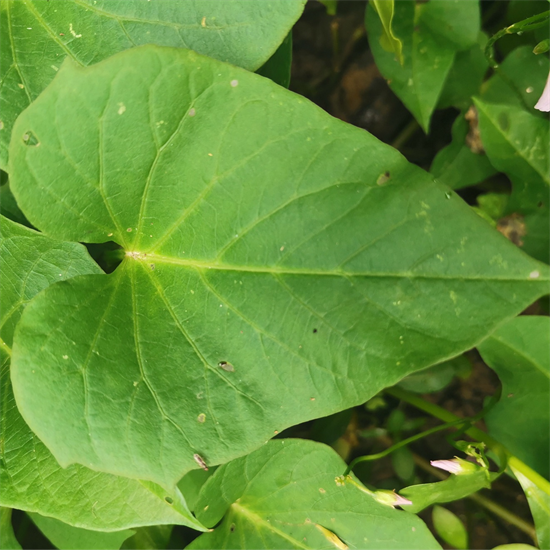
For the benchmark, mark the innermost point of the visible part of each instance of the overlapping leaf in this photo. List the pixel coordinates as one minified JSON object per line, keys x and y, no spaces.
{"x":37,"y":35}
{"x":519,"y":352}
{"x":287,"y":494}
{"x":67,"y":537}
{"x":30,"y":477}
{"x":431,"y":33}
{"x":280,"y":265}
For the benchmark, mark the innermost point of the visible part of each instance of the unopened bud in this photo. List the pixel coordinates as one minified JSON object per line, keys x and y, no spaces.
{"x":542,"y":47}
{"x":455,"y":466}
{"x":390,"y":498}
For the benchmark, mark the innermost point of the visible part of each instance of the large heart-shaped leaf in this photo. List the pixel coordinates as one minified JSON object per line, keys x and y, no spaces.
{"x":280,"y":265}
{"x":289,"y":494}
{"x":37,"y":35}
{"x":30,"y":477}
{"x":431,"y":33}
{"x":519,"y":352}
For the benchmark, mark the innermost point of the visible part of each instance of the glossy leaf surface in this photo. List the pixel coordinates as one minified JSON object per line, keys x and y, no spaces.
{"x":67,"y":537}
{"x":431,"y":33}
{"x":279,"y":264}
{"x":287,"y":495}
{"x":519,"y":352}
{"x":37,"y":36}
{"x":30,"y":477}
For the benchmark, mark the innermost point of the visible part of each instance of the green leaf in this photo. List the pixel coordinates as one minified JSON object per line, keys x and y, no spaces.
{"x":388,"y":40}
{"x":465,"y":76}
{"x":453,"y":488}
{"x":516,"y":144}
{"x":519,"y":352}
{"x":30,"y":477}
{"x":7,"y":536}
{"x":149,"y":538}
{"x":536,"y":242}
{"x":274,"y":272}
{"x":457,"y":165}
{"x":431,"y":33}
{"x":38,"y":35}
{"x":519,"y":80}
{"x":277,"y":67}
{"x":67,"y":537}
{"x":437,"y":377}
{"x":288,"y":494}
{"x":190,"y":484}
{"x":539,"y":503}
{"x":449,"y":527}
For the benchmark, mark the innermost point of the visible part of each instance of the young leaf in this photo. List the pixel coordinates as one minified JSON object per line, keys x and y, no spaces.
{"x":431,"y":34}
{"x":30,"y":477}
{"x":519,"y":352}
{"x":388,"y":40}
{"x":67,"y":537}
{"x":457,"y":165}
{"x":539,"y":503}
{"x":288,"y":494}
{"x":7,"y":536}
{"x":280,"y":265}
{"x":453,"y":488}
{"x":38,"y":35}
{"x":449,"y":527}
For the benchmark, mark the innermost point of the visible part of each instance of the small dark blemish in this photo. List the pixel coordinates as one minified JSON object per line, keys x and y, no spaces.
{"x":232,"y":528}
{"x":314,"y":330}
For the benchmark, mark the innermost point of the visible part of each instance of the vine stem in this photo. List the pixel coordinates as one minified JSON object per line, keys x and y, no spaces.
{"x":529,"y":24}
{"x":438,"y":412}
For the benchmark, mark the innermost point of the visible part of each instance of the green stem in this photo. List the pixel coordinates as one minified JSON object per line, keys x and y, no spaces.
{"x":405,"y":134}
{"x":529,"y":24}
{"x":438,"y":412}
{"x":402,"y":443}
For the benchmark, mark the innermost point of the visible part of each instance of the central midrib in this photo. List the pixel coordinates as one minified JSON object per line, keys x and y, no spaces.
{"x":204,"y":265}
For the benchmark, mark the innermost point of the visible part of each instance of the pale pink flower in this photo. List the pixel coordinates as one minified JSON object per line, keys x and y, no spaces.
{"x":455,"y":466}
{"x":390,"y":498}
{"x":543,"y":104}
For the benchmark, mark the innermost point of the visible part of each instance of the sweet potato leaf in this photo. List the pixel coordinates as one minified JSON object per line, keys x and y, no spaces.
{"x":37,"y":35}
{"x":288,"y":494}
{"x":280,"y":265}
{"x":519,"y":352}
{"x":30,"y":477}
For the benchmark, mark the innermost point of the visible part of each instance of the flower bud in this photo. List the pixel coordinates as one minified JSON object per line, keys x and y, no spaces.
{"x":390,"y":498}
{"x":455,"y":466}
{"x":542,"y":47}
